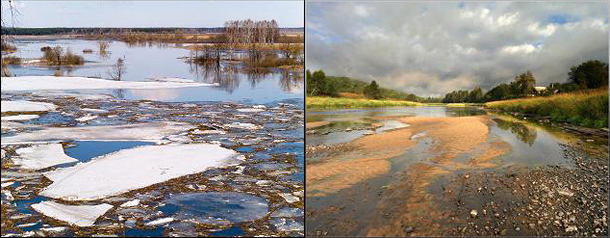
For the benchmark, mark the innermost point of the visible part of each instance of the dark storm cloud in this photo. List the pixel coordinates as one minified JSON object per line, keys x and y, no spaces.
{"x":434,"y":48}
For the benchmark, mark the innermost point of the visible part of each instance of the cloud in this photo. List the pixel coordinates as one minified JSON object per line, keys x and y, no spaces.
{"x":433,"y":48}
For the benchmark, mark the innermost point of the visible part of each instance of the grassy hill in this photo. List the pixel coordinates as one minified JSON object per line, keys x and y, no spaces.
{"x":353,"y":87}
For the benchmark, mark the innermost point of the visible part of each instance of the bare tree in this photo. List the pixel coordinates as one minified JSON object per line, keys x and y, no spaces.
{"x":118,"y":70}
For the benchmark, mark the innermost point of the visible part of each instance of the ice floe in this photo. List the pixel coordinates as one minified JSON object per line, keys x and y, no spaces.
{"x":86,"y":118}
{"x":131,"y":203}
{"x":250,"y":110}
{"x":174,"y":80}
{"x":241,"y":125}
{"x":33,"y":83}
{"x":135,"y":168}
{"x":150,"y":132}
{"x":160,"y":221}
{"x":41,"y":156}
{"x":93,"y":110}
{"x":26,"y":106}
{"x":79,"y":215}
{"x":289,"y":197}
{"x":19,"y":118}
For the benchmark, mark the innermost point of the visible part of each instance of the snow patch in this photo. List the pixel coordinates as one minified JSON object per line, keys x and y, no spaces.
{"x":82,"y":215}
{"x":135,"y":168}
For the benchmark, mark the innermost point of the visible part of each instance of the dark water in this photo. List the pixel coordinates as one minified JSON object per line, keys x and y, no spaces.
{"x":143,"y":63}
{"x":233,"y":231}
{"x":84,"y":151}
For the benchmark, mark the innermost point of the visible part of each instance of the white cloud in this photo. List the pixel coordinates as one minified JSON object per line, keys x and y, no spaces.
{"x":548,"y":30}
{"x":521,"y":49}
{"x":434,"y":48}
{"x":361,"y":11}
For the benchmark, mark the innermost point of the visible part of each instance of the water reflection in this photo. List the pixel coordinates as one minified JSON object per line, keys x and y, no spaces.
{"x":226,"y":75}
{"x":522,"y":132}
{"x":291,"y":81}
{"x":149,"y":61}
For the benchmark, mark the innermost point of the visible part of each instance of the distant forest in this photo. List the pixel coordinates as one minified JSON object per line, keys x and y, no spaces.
{"x":95,"y":30}
{"x":318,"y":84}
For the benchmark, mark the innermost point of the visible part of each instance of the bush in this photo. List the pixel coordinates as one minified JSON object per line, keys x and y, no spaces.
{"x":11,"y":60}
{"x":71,"y":59}
{"x":56,"y":56}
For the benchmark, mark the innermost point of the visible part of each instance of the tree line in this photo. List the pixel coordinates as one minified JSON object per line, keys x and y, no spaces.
{"x":318,"y":84}
{"x":588,"y":75}
{"x":111,"y":30}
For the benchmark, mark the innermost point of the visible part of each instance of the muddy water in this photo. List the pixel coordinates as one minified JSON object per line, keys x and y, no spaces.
{"x":418,"y":191}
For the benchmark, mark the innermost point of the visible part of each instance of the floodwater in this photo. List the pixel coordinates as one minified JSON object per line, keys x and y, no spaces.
{"x":407,"y":184}
{"x":145,"y":62}
{"x":269,"y":133}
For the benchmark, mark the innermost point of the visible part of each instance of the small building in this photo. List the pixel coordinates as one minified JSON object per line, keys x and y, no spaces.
{"x":540,"y":89}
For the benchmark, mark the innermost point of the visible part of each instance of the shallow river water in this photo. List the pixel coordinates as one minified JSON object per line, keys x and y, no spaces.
{"x":431,"y":185}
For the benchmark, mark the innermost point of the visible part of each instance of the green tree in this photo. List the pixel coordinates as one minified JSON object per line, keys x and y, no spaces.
{"x":500,"y":92}
{"x":372,"y":91}
{"x":476,"y":95}
{"x":525,"y":84}
{"x":590,"y":74}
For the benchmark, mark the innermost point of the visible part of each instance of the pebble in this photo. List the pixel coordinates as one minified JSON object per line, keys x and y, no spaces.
{"x":473,"y":213}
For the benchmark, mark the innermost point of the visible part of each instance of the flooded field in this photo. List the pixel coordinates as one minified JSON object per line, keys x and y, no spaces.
{"x":218,"y":152}
{"x":156,"y":62}
{"x":434,"y":171}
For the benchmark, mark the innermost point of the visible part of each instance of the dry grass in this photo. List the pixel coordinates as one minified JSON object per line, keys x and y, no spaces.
{"x":584,"y":108}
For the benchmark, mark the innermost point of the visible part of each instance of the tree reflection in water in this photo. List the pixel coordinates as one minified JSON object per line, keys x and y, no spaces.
{"x":291,"y":81}
{"x":523,"y":133}
{"x":228,"y":75}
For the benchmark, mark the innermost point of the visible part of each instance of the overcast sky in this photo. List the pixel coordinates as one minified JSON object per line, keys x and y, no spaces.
{"x":152,"y":13}
{"x":433,"y":48}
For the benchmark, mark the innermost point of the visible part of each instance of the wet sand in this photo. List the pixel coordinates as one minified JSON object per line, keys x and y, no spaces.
{"x":315,"y":124}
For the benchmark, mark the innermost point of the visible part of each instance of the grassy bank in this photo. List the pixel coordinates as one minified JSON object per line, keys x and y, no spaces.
{"x":330,"y":103}
{"x":584,"y":108}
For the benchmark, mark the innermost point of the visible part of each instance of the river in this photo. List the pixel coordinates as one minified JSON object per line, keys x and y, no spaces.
{"x":434,"y":171}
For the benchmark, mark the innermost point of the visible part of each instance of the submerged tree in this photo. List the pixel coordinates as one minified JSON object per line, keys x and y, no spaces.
{"x":118,"y":70}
